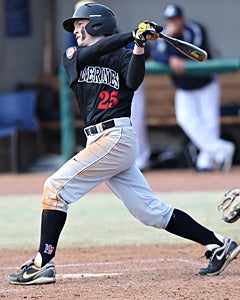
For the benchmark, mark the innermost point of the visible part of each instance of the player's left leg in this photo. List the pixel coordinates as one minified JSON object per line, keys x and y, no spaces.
{"x":131,"y":187}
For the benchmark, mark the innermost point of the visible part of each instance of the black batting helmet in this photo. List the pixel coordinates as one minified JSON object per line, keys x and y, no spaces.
{"x":98,"y":14}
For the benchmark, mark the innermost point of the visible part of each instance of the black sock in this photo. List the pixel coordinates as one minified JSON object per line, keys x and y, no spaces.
{"x":51,"y":227}
{"x":183,"y":225}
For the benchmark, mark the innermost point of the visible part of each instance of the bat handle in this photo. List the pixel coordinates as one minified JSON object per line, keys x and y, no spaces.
{"x":158,"y":28}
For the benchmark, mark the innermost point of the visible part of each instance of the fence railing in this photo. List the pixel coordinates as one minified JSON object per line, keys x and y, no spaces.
{"x":196,"y":68}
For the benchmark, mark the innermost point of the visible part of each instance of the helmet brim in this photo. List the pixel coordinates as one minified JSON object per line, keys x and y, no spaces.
{"x":68,"y":24}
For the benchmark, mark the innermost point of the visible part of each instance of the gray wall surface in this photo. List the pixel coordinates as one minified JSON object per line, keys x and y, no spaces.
{"x":22,"y":58}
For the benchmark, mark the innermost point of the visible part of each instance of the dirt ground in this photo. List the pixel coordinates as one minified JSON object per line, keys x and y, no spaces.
{"x":133,"y":272}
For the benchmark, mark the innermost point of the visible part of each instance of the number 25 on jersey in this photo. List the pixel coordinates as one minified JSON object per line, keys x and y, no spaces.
{"x":108,"y":100}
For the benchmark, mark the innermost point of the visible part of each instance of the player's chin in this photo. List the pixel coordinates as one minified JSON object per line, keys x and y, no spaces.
{"x":82,"y":43}
{"x":79,"y":41}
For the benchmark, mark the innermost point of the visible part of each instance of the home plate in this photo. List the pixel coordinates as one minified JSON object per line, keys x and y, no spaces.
{"x":85,"y":275}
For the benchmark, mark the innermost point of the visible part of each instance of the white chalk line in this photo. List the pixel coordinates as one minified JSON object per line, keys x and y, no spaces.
{"x":140,"y":261}
{"x":121,"y":262}
{"x":12,"y":290}
{"x":105,"y":274}
{"x":85,"y":275}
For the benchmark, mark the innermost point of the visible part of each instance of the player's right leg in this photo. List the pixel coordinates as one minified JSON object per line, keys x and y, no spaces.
{"x":106,"y":155}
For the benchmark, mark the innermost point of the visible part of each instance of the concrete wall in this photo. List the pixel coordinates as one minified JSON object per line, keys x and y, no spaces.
{"x":21,"y":58}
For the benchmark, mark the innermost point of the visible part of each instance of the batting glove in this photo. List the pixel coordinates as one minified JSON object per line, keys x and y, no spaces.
{"x":146,"y":31}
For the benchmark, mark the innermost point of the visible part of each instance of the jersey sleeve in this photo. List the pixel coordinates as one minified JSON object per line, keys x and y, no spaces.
{"x":76,"y":58}
{"x":104,"y":46}
{"x":135,"y":71}
{"x":70,"y":64}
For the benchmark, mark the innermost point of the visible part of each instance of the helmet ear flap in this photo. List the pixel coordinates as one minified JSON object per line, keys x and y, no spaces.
{"x":93,"y":28}
{"x":101,"y":26}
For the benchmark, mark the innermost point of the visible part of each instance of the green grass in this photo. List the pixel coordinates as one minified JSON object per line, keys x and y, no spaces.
{"x":101,"y":219}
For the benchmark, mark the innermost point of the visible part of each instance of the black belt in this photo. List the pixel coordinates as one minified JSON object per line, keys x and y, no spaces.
{"x":99,"y":127}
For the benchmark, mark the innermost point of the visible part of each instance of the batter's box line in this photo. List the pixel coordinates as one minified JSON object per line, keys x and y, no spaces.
{"x":104,"y":274}
{"x":85,"y":275}
{"x":122,"y":262}
{"x":14,"y":290}
{"x":134,"y":261}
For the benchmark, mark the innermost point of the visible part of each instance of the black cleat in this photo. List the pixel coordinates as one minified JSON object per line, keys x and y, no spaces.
{"x":220,"y":257}
{"x":30,"y":274}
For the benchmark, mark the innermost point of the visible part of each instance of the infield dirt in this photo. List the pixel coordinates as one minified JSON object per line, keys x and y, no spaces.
{"x":132,"y":272}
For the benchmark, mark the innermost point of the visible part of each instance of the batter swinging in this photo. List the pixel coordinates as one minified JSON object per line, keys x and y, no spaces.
{"x":103,"y":75}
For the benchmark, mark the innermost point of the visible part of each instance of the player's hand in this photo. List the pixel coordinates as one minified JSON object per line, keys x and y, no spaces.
{"x":157,"y":28}
{"x":144,"y":32}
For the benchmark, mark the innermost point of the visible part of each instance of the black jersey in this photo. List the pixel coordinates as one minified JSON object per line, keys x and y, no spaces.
{"x":103,"y":77}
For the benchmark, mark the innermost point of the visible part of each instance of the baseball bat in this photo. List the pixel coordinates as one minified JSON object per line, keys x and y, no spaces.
{"x":186,"y":48}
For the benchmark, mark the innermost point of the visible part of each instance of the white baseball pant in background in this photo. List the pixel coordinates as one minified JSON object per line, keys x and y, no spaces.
{"x":139,"y":124}
{"x":198,"y":114}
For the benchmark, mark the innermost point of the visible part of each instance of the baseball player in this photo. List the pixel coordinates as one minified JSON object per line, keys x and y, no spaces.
{"x":104,"y":75}
{"x":137,"y":109}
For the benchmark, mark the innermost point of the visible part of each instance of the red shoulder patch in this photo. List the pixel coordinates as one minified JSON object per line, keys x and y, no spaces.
{"x":70,"y":52}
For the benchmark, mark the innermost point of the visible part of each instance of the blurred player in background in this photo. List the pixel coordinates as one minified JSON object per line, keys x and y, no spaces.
{"x":197,"y":98}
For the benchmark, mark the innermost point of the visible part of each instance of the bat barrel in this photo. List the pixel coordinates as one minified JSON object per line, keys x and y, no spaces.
{"x":186,"y":48}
